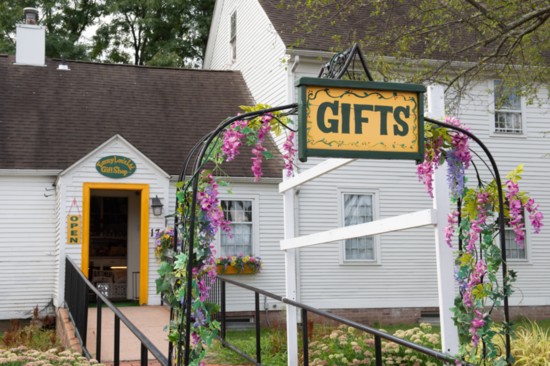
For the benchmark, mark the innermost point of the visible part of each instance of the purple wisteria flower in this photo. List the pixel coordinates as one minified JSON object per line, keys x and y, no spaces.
{"x":258,"y":149}
{"x":425,"y":170}
{"x":289,"y":152}
{"x":535,"y":216}
{"x":452,"y":220}
{"x":210,"y":205}
{"x":516,"y":212}
{"x":232,"y":140}
{"x":477,"y":322}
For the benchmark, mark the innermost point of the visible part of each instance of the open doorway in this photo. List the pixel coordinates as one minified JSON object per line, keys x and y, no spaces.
{"x":109,"y":223}
{"x":115,"y":239}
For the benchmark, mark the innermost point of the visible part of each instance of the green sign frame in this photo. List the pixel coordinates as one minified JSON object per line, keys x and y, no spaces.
{"x":333,"y":98}
{"x":116,"y":166}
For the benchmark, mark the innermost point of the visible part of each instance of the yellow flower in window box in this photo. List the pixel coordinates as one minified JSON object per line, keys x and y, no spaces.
{"x":238,"y":264}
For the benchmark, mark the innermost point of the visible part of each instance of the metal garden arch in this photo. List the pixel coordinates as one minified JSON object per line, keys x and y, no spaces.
{"x":337,"y":68}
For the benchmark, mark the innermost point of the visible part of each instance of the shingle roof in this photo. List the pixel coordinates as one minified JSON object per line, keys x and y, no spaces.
{"x":50,"y":118}
{"x":317,"y":35}
{"x":366,"y":24}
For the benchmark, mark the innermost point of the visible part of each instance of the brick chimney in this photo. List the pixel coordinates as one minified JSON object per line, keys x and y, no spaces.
{"x":30,"y":40}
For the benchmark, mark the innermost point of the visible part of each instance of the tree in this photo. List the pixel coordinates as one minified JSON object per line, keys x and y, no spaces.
{"x":154,"y":32}
{"x":149,"y":32}
{"x":64,"y":20}
{"x":447,"y":41}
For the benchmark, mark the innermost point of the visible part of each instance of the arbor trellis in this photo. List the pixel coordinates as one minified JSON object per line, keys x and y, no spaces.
{"x":189,"y":264}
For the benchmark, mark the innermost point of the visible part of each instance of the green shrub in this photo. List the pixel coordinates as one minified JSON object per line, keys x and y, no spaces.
{"x":30,"y":336}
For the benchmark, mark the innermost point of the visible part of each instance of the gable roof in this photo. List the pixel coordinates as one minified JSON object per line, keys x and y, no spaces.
{"x":113,"y":140}
{"x":51,"y":118}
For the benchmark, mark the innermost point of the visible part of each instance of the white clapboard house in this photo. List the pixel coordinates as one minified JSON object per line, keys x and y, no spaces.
{"x":97,"y":145}
{"x":391,"y":275}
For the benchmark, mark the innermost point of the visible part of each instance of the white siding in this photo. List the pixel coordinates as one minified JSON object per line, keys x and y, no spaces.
{"x":271,"y":277}
{"x":406,"y":275}
{"x":146,"y":173}
{"x":532,"y":286}
{"x":27,"y":244}
{"x":260,"y":50}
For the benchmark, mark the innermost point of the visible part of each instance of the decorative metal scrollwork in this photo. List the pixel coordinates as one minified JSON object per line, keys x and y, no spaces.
{"x":339,"y":65}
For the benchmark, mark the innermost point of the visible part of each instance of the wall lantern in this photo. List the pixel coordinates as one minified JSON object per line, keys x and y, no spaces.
{"x":156,"y":205}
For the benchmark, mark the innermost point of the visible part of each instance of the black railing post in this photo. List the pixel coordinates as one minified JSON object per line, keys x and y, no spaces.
{"x":117,"y":341}
{"x":223,"y":310}
{"x":143,"y":355}
{"x":378,"y":350}
{"x":170,"y":344}
{"x":305,"y":309}
{"x":77,"y":291}
{"x":305,"y":337}
{"x":258,"y":330}
{"x":98,"y":330}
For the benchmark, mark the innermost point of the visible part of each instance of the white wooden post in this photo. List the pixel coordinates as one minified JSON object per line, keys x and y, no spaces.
{"x":444,"y":254}
{"x":290,"y":280}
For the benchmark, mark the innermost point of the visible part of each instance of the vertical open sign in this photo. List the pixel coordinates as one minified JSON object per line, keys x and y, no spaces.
{"x":74,"y":229}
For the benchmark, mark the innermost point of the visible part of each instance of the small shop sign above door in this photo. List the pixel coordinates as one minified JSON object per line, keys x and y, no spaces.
{"x":351,"y":119}
{"x":115,"y":166}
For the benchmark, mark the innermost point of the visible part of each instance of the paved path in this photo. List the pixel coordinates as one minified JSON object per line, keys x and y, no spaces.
{"x":150,"y":320}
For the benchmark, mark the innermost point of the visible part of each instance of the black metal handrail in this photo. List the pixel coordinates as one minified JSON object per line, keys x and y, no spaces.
{"x":77,"y":288}
{"x":378,"y":334}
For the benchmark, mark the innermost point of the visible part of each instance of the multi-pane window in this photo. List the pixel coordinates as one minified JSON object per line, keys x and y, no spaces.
{"x":358,"y":209}
{"x":513,"y":250}
{"x":233,"y":37}
{"x":240,"y":216}
{"x":508,"y":117}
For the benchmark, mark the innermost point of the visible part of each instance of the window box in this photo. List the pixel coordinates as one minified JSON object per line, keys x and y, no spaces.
{"x":231,"y":270}
{"x":238,"y":265}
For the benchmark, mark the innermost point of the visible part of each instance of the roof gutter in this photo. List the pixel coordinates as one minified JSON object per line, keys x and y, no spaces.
{"x":297,"y":53}
{"x":30,"y":172}
{"x":268,"y":180}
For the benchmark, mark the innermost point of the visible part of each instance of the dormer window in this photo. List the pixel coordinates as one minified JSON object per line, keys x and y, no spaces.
{"x":233,"y":37}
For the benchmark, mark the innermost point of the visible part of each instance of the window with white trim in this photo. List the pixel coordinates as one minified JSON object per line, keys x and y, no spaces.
{"x":358,"y":209}
{"x":239,"y":214}
{"x":513,"y":250}
{"x":508,"y":116}
{"x":233,"y":37}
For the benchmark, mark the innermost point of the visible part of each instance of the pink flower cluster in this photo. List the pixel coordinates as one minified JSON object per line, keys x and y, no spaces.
{"x":289,"y":152}
{"x":477,"y":322}
{"x":535,"y":216}
{"x":258,"y":149}
{"x":476,"y":225}
{"x":516,"y":212}
{"x":425,"y":170}
{"x":449,"y":230}
{"x":475,"y":279}
{"x":210,"y":204}
{"x":461,"y":147}
{"x":232,"y":139}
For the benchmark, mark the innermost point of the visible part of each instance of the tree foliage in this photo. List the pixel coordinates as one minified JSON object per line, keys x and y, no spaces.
{"x":149,"y":32}
{"x":446,"y":41}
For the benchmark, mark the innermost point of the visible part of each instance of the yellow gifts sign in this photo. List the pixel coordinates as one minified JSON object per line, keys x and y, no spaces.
{"x":349,"y":119}
{"x":74,"y":229}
